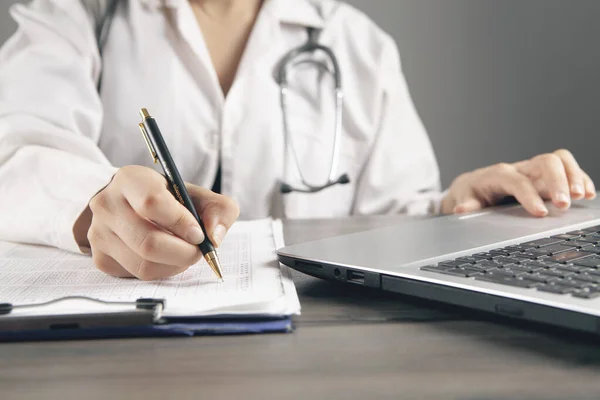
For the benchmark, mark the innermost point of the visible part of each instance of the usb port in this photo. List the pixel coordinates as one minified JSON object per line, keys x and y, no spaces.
{"x":355,"y":277}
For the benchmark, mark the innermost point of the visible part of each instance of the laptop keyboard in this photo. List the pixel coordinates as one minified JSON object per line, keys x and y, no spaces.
{"x":563,"y":264}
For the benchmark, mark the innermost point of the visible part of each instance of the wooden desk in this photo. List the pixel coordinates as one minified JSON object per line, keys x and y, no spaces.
{"x":350,"y":343}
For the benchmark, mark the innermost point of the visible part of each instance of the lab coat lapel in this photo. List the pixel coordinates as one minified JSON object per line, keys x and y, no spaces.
{"x":187,"y":26}
{"x":266,"y":40}
{"x":296,"y":12}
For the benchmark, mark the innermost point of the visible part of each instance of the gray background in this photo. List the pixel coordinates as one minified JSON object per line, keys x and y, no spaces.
{"x":493,"y":80}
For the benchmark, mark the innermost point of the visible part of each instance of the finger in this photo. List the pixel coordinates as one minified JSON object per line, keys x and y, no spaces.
{"x":109,"y":265}
{"x":133,"y":264}
{"x":511,"y":182}
{"x":153,"y":201}
{"x":218,"y":212}
{"x":551,"y":171}
{"x":590,"y":188}
{"x":97,"y":236}
{"x":468,"y":205}
{"x":574,"y":173}
{"x":149,"y":241}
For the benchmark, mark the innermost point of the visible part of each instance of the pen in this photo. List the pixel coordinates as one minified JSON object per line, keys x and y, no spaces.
{"x":160,"y":154}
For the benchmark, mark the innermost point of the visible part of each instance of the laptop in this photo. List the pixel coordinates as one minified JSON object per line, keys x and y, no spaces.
{"x":500,"y":260}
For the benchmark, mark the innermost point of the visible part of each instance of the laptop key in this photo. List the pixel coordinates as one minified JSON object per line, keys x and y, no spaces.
{"x":593,"y":239}
{"x":517,"y":248}
{"x":539,"y":263}
{"x":557,"y":273}
{"x":542,"y":278}
{"x":434,"y":268}
{"x":520,"y":269}
{"x":476,"y":267}
{"x":554,"y":249}
{"x":593,"y":229}
{"x":489,"y":264}
{"x":571,"y":268}
{"x":498,"y":252}
{"x":588,"y":278}
{"x":585,"y":294}
{"x":565,"y":236}
{"x":548,"y":263}
{"x":577,"y":283}
{"x":464,"y":272}
{"x":507,"y":260}
{"x":532,"y":266}
{"x":554,"y":288}
{"x":592,"y":261}
{"x":470,"y":260}
{"x":501,"y":273}
{"x":581,"y":245}
{"x":508,"y":281}
{"x":514,"y":269}
{"x":542,"y":242}
{"x":581,"y":232}
{"x":482,"y":256}
{"x":569,"y":256}
{"x":537,"y":252}
{"x":527,"y":255}
{"x":467,"y":273}
{"x":449,"y":271}
{"x":452,"y":264}
{"x":595,"y":248}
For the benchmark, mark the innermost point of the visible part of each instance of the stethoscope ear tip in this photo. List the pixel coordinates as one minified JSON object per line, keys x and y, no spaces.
{"x":342,"y":180}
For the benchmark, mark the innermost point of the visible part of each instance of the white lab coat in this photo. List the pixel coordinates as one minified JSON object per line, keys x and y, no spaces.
{"x":60,"y":142}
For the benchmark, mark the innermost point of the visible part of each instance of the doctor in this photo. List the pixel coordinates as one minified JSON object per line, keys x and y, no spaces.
{"x":75,"y":172}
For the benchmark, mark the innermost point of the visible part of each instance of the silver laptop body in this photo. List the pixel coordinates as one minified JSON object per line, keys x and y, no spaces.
{"x":406,"y":259}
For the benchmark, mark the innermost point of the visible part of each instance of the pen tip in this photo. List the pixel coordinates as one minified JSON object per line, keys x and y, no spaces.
{"x":213,"y":261}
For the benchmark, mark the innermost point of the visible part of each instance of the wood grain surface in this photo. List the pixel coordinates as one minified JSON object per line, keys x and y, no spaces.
{"x":350,"y":343}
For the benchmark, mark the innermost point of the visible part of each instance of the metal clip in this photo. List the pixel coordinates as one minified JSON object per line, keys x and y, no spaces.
{"x":148,"y":143}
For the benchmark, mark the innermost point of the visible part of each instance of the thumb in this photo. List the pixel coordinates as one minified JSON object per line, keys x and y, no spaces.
{"x":217,"y":212}
{"x":468,"y":205}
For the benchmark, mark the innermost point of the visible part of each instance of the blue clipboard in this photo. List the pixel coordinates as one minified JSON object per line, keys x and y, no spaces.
{"x":144,"y":319}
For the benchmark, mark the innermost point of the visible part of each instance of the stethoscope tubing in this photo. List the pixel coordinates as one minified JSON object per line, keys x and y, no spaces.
{"x":309,"y":48}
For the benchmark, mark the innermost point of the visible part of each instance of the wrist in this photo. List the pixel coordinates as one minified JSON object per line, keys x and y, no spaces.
{"x":83,"y":222}
{"x":80,"y":229}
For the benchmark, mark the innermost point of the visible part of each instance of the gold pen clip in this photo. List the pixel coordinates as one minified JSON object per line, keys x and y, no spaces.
{"x":148,"y":143}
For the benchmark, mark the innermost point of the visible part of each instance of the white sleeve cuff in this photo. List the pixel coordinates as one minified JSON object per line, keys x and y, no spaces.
{"x":94,"y":182}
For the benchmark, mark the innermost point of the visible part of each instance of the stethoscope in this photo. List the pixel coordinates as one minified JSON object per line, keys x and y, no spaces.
{"x":291,"y":59}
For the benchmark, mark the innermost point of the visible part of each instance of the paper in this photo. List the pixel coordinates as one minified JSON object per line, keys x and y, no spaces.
{"x":255,"y":283}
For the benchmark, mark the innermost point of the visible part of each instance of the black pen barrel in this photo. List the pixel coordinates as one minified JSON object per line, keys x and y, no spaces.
{"x":173,"y":177}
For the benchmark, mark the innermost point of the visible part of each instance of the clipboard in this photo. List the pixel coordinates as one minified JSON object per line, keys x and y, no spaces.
{"x":142,"y":318}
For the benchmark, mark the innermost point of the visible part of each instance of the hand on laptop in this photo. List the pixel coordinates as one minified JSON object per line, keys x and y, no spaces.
{"x":554,"y":176}
{"x":136,"y":227}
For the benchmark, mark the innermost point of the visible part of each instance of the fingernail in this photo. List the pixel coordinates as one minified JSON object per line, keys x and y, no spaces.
{"x":219,"y":234}
{"x":195,"y":235}
{"x":563,"y":198}
{"x":577,"y":189}
{"x":541,"y":207}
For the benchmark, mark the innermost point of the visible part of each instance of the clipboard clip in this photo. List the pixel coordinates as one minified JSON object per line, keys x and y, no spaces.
{"x":145,"y":311}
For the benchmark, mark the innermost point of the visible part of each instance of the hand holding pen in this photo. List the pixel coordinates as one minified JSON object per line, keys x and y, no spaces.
{"x":161,"y":155}
{"x":136,"y":228}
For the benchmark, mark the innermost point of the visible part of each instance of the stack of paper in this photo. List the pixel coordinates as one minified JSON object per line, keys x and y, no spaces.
{"x":255,"y":284}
